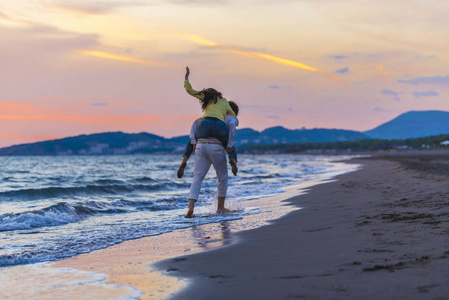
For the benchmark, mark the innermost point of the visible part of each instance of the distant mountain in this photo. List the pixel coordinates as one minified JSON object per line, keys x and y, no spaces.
{"x":281,"y":135}
{"x":126,"y":143}
{"x":99,"y":143}
{"x":413,"y":124}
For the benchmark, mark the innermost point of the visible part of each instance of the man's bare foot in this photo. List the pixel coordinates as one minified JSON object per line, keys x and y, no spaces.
{"x":225,"y":210}
{"x":191,"y":207}
{"x":189,"y":213}
{"x":181,"y":169}
{"x":233,"y":164}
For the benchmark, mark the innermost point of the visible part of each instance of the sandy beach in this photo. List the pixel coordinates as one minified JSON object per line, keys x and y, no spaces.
{"x":377,"y":233}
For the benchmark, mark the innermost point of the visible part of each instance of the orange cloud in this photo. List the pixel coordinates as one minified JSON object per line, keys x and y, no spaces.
{"x":263,"y":56}
{"x":34,"y":128}
{"x":381,"y":68}
{"x":8,"y":18}
{"x":122,"y":58}
{"x":77,"y":118}
{"x":12,"y":107}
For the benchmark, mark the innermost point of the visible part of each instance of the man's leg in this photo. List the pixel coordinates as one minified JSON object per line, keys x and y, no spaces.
{"x":218,"y":157}
{"x":202,"y":165}
{"x":218,"y":130}
{"x":220,"y":205}
{"x":190,"y":209}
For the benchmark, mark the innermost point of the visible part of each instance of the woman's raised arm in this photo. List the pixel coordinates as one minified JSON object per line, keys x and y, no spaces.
{"x":187,"y":73}
{"x":189,"y":88}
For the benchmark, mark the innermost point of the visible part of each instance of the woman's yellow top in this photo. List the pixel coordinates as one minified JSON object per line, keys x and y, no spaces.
{"x":217,"y":110}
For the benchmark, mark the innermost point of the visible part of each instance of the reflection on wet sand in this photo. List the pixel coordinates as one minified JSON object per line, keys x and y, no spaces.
{"x":208,"y":242}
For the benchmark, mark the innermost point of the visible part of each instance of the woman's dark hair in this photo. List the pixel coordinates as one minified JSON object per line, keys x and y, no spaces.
{"x":234,"y":107}
{"x":210,"y":96}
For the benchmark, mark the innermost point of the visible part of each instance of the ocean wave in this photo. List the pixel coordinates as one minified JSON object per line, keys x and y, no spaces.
{"x":59,"y":214}
{"x":64,"y":213}
{"x":108,"y":181}
{"x":254,"y":171}
{"x":145,"y":179}
{"x":17,"y":171}
{"x":267,"y":176}
{"x":8,"y":179}
{"x":88,"y":190}
{"x":86,"y":241}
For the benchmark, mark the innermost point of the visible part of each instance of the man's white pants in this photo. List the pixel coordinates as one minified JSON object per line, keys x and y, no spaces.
{"x":206,"y":155}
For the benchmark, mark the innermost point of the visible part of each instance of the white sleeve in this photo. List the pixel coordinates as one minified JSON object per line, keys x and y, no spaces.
{"x":233,"y":123}
{"x":193,"y":130}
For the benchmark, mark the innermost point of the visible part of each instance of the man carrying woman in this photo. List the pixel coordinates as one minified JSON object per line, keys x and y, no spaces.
{"x":212,"y":138}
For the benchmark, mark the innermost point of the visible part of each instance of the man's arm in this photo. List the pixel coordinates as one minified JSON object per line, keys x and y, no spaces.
{"x":193,"y":131}
{"x":233,"y":123}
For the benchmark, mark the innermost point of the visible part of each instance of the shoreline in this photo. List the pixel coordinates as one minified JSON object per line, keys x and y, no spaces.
{"x":132,"y":263}
{"x":379,"y":232}
{"x":126,"y":270}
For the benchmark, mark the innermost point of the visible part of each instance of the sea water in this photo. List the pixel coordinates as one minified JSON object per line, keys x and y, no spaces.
{"x":54,"y":207}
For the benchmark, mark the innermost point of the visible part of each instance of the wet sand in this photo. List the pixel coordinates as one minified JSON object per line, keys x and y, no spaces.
{"x":378,"y":233}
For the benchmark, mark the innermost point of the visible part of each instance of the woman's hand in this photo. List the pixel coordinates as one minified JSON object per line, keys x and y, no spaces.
{"x":187,"y":73}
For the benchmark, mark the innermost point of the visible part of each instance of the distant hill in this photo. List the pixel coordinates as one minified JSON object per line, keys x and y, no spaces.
{"x":412,"y":124}
{"x":126,"y":143}
{"x":281,"y":135}
{"x":99,"y":143}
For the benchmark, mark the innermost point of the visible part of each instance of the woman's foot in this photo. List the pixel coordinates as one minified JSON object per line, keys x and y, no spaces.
{"x":233,"y":164}
{"x":181,"y":169}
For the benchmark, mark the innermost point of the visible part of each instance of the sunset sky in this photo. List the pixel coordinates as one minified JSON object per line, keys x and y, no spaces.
{"x":88,"y":66}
